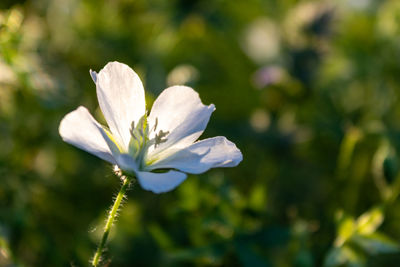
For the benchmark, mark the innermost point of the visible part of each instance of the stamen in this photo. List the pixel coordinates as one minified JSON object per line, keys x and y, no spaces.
{"x":132,"y":127}
{"x":140,"y":140}
{"x":160,"y":138}
{"x":155,"y":125}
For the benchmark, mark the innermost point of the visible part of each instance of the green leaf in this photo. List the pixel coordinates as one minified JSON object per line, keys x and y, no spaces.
{"x":376,"y":243}
{"x":346,"y":229}
{"x":343,"y":256}
{"x":368,"y":222}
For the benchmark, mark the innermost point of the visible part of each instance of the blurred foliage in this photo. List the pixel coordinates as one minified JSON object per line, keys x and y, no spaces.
{"x":308,"y":90}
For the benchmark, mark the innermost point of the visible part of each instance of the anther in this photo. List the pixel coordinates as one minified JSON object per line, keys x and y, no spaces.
{"x":155,"y":125}
{"x":160,"y":138}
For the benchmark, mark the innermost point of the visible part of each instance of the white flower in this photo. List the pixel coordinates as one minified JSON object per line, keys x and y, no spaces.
{"x":159,"y":149}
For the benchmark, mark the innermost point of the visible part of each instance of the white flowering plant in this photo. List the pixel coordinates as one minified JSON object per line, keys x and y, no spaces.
{"x":158,"y":148}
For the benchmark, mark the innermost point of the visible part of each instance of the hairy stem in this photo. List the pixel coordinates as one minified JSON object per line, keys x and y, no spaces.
{"x":111,"y":216}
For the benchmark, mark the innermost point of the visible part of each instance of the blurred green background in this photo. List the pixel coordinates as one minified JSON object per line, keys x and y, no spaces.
{"x":308,"y":90}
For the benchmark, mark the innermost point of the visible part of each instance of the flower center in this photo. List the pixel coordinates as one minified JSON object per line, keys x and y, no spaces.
{"x":140,"y":139}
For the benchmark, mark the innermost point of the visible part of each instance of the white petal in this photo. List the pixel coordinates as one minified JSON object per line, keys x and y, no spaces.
{"x":180,"y":112}
{"x":80,"y":129}
{"x":203,"y":155}
{"x":93,"y":74}
{"x":121,"y":98}
{"x":126,"y":163}
{"x":160,"y":182}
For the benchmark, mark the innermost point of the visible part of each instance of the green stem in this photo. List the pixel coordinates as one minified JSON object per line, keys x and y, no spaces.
{"x":110,"y":219}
